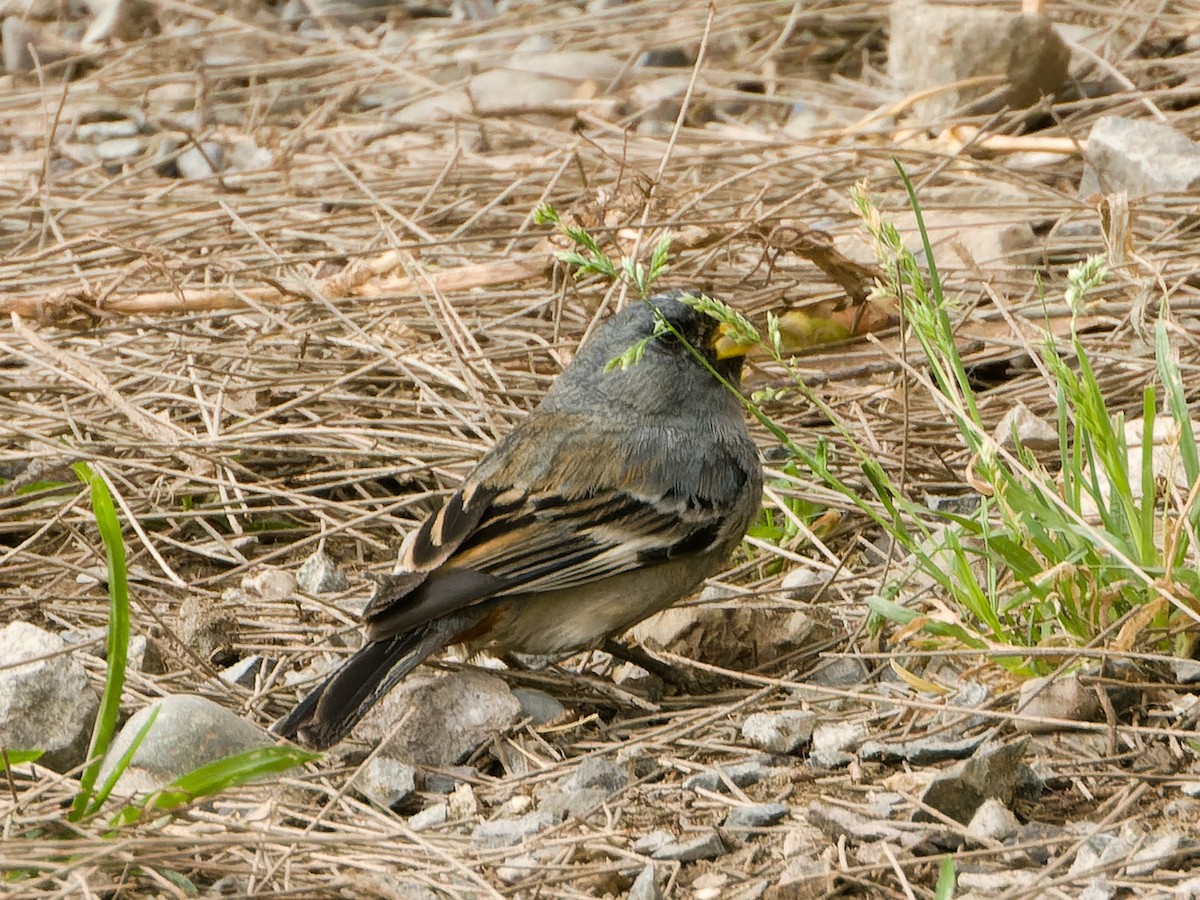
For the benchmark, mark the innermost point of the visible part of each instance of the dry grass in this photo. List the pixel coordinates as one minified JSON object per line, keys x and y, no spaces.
{"x":313,"y":353}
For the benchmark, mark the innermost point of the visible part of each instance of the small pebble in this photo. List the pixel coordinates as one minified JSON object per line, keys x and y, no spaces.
{"x":429,"y":817}
{"x":648,"y":843}
{"x":784,"y":732}
{"x":741,"y":774}
{"x":760,"y":815}
{"x":318,"y":574}
{"x":707,"y":846}
{"x":118,"y":149}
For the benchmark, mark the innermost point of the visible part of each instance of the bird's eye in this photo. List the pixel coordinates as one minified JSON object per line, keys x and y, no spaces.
{"x":668,"y":339}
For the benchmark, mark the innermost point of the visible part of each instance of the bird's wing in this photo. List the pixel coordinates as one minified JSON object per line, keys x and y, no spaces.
{"x":490,"y":540}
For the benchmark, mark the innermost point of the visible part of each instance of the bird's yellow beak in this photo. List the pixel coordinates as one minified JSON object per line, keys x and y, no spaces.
{"x":726,"y":345}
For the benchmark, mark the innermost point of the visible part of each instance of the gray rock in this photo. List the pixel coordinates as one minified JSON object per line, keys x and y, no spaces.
{"x":209,"y":630}
{"x":1069,"y":697}
{"x":706,"y":846}
{"x":144,"y":655}
{"x":934,"y":45}
{"x":830,"y":759}
{"x":760,"y":815}
{"x":994,"y":884}
{"x":268,"y":583}
{"x":46,"y":704}
{"x":430,"y":817}
{"x":922,"y":751}
{"x":783,"y":732}
{"x":506,"y":832}
{"x":970,"y":695}
{"x":188,"y":732}
{"x":837,"y":822}
{"x":956,"y":504}
{"x":96,"y":132}
{"x":1096,"y":851}
{"x":802,"y":583}
{"x":741,"y":774}
{"x":645,"y":886}
{"x":120,"y":149}
{"x":598,"y":772}
{"x":1139,"y":157}
{"x":516,"y":869}
{"x":538,"y":706}
{"x":994,"y":771}
{"x":833,"y":736}
{"x":574,"y":803}
{"x":648,"y":843}
{"x":527,"y":81}
{"x":1159,"y":852}
{"x":448,"y":779}
{"x":1186,"y":671}
{"x":811,"y":875}
{"x":1039,"y":841}
{"x":730,"y":632}
{"x":386,"y":782}
{"x":1021,"y":426}
{"x":319,"y":574}
{"x":447,"y":716}
{"x":993,"y":821}
{"x":840,"y":672}
{"x":201,"y":162}
{"x":245,"y":671}
{"x":984,"y":235}
{"x":575,"y":65}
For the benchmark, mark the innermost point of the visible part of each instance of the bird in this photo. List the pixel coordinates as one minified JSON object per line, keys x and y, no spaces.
{"x":615,"y":497}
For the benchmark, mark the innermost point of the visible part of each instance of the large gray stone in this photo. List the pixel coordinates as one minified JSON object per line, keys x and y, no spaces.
{"x":46,"y":704}
{"x":188,"y":732}
{"x":1072,"y":697}
{"x":1140,"y":158}
{"x":993,"y":772}
{"x":445,"y":717}
{"x":505,"y":832}
{"x":538,"y":706}
{"x":935,"y":45}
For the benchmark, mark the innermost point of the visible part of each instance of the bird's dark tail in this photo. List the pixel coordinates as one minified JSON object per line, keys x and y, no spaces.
{"x":328,"y":714}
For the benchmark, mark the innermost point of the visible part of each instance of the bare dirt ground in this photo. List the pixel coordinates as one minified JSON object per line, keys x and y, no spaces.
{"x":308,"y":346}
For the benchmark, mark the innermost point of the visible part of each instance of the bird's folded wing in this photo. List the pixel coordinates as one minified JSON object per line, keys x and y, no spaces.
{"x":532,"y":542}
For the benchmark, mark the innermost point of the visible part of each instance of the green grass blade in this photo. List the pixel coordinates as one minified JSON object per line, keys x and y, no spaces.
{"x":947,"y":877}
{"x":122,"y":764}
{"x":1148,"y":552}
{"x":10,"y":758}
{"x":214,"y":777}
{"x":118,"y":632}
{"x":1176,"y":403}
{"x":889,"y":609}
{"x":241,"y":768}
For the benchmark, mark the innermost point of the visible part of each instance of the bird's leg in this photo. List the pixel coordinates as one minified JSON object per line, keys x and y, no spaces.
{"x":632,"y":653}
